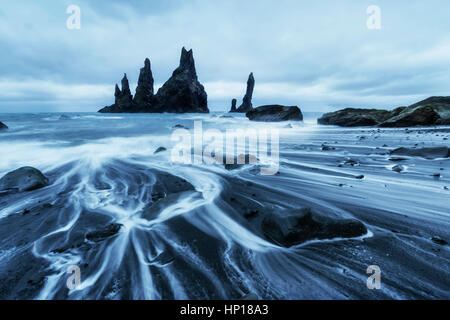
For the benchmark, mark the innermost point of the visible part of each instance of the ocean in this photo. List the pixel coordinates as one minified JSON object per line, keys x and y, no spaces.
{"x":135,"y":224}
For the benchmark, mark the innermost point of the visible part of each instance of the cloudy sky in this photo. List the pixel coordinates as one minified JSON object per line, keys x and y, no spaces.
{"x":320,"y":56}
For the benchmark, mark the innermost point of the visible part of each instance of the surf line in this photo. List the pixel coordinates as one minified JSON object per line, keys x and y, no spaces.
{"x":210,"y":146}
{"x":193,"y":310}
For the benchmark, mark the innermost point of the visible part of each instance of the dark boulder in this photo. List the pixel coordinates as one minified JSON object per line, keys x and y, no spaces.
{"x":427,"y":153}
{"x":292,"y":228}
{"x":102,"y":234}
{"x":3,"y":126}
{"x":351,"y":117}
{"x":160,"y":149}
{"x":233,"y":105}
{"x":275,"y":113}
{"x":247,"y":101}
{"x":23,"y":179}
{"x":182,"y":92}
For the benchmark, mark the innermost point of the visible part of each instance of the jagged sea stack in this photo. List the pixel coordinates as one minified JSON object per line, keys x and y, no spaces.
{"x":182,"y":92}
{"x":144,"y":90}
{"x":247,"y":101}
{"x":233,"y":105}
{"x":123,"y":99}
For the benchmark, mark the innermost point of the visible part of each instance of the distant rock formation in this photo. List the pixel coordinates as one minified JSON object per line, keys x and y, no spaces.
{"x":144,"y":90}
{"x":233,"y":105}
{"x":275,"y":113}
{"x":182,"y":93}
{"x":123,"y":99}
{"x":352,"y":117}
{"x":429,"y":112}
{"x":247,"y":101}
{"x":3,"y":126}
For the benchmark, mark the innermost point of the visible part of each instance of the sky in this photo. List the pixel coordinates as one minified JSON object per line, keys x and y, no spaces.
{"x":320,"y":56}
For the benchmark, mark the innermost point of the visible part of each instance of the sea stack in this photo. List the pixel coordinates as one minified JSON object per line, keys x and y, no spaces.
{"x":182,"y":92}
{"x":247,"y":101}
{"x":233,"y":105}
{"x":3,"y":126}
{"x":123,"y":99}
{"x":144,"y":90}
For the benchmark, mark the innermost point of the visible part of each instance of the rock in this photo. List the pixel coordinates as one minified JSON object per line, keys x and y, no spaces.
{"x":233,"y":105}
{"x":182,"y":92}
{"x":247,"y":101}
{"x":144,"y":90}
{"x":398,"y":168}
{"x":295,"y":227}
{"x":439,"y":241}
{"x":160,"y":149}
{"x":103,"y":234}
{"x":123,"y":99}
{"x":360,"y":177}
{"x":351,"y":117}
{"x":429,"y":112}
{"x":275,"y":113}
{"x":23,"y":179}
{"x":3,"y":126}
{"x":427,"y":153}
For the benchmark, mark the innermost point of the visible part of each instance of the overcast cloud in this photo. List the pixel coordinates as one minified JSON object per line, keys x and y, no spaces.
{"x":320,"y":56}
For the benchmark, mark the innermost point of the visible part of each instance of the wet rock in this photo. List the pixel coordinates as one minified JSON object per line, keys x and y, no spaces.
{"x":160,"y":149}
{"x":275,"y":113}
{"x":123,"y":99}
{"x":298,"y":226}
{"x":102,"y":234}
{"x":439,"y":241}
{"x":360,"y":177}
{"x":431,"y":111}
{"x":23,"y":179}
{"x":398,"y":168}
{"x":247,"y":100}
{"x":328,"y":148}
{"x":427,"y":153}
{"x":182,"y":92}
{"x":3,"y":126}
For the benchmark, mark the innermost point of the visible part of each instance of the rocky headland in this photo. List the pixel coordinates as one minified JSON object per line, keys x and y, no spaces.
{"x":429,"y":112}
